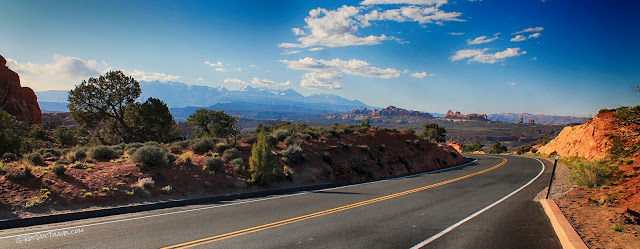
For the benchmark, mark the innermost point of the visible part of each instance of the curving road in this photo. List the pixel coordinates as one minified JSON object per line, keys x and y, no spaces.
{"x":487,"y":204}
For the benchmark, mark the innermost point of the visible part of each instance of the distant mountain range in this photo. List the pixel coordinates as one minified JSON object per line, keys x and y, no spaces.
{"x":538,"y":118}
{"x":250,"y":102}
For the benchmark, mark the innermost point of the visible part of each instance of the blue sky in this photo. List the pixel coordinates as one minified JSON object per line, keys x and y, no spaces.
{"x":552,"y":57}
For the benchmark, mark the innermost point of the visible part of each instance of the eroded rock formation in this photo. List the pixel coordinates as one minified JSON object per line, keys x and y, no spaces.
{"x":471,"y":116}
{"x":20,"y":101}
{"x":391,"y":111}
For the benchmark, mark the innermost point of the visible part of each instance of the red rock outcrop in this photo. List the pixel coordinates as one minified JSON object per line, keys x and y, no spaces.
{"x":531,"y":121}
{"x":471,"y":116}
{"x":457,"y":146}
{"x":391,"y":111}
{"x":20,"y":101}
{"x":591,"y":140}
{"x":520,"y":121}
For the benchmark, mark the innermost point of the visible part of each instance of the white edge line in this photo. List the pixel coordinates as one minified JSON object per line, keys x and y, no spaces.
{"x":457,"y":224}
{"x":237,"y":203}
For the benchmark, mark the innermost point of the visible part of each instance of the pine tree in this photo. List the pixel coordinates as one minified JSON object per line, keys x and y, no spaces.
{"x":262,"y":163}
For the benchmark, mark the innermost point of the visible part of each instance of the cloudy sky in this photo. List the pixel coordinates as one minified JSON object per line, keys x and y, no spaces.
{"x":553,"y":57}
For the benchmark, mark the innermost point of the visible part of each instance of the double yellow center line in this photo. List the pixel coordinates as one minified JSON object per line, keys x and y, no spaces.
{"x":325,"y":212}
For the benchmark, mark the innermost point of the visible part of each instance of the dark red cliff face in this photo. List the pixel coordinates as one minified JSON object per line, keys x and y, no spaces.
{"x":20,"y":101}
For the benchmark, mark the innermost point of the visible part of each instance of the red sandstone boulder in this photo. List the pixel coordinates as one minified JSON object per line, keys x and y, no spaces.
{"x":20,"y":101}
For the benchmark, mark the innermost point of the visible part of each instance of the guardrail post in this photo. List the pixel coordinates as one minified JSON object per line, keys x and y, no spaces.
{"x":553,"y":174}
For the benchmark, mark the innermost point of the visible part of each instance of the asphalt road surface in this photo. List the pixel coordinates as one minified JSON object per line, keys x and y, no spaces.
{"x":486,"y":204}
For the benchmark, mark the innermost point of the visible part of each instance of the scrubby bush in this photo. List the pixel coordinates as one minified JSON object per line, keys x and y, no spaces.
{"x":187,"y":157}
{"x":290,"y":140}
{"x":102,"y":153}
{"x":592,"y":174}
{"x":292,"y":154}
{"x":76,"y":155}
{"x":203,"y":145}
{"x":58,"y":168}
{"x":239,"y":166}
{"x":182,"y":144}
{"x":248,"y":138}
{"x":475,"y":146}
{"x":214,"y":164}
{"x":231,"y":154}
{"x":34,"y":158}
{"x":9,"y":157}
{"x":280,"y":134}
{"x":175,"y":149}
{"x":19,"y":173}
{"x":220,"y":147}
{"x":127,"y":147}
{"x":150,"y":155}
{"x":64,"y":136}
{"x":498,"y":148}
{"x":2,"y":168}
{"x":326,"y":157}
{"x":146,"y":182}
{"x":166,"y":189}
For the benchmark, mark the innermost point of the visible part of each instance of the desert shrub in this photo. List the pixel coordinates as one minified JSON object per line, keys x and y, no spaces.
{"x":9,"y":157}
{"x":618,"y":228}
{"x":64,"y":136}
{"x":231,"y":154}
{"x":166,"y":189}
{"x":359,"y":167}
{"x":2,"y":168}
{"x":618,"y":148}
{"x":605,"y":110}
{"x":182,"y":144}
{"x":523,"y":149}
{"x":592,"y":174}
{"x":102,"y":153}
{"x":475,"y":146}
{"x":78,"y":165}
{"x":307,"y":136}
{"x":214,"y":164}
{"x":292,"y":154}
{"x":50,"y":152}
{"x":248,"y":138}
{"x":382,"y":147}
{"x":290,"y":140}
{"x":326,"y":157}
{"x":58,"y":168}
{"x":628,"y":114}
{"x":175,"y":149}
{"x":534,"y":150}
{"x":146,"y":182}
{"x":280,"y":134}
{"x":127,"y":147}
{"x":19,"y":173}
{"x":544,"y":140}
{"x":150,"y":155}
{"x":187,"y":157}
{"x":220,"y":147}
{"x":34,"y":158}
{"x":239,"y":166}
{"x":498,"y":148}
{"x":118,"y":149}
{"x":203,"y":145}
{"x":76,"y":155}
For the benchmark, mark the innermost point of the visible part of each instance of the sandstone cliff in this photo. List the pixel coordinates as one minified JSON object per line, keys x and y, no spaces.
{"x":391,"y":111}
{"x":471,"y":116}
{"x":15,"y":99}
{"x":591,"y":140}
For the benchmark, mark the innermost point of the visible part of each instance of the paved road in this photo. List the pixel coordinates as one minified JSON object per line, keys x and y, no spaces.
{"x":398,"y":213}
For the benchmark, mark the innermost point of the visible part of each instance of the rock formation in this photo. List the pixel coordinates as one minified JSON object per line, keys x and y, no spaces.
{"x":391,"y":111}
{"x":457,"y":146}
{"x":591,"y":140}
{"x":471,"y":116}
{"x":531,"y":121}
{"x":520,"y":121}
{"x":17,"y":100}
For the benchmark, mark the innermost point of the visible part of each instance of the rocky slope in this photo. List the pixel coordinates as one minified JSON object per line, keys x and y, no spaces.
{"x":591,"y":140}
{"x":15,"y":99}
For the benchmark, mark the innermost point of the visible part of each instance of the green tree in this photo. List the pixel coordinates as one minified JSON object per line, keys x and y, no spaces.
{"x":434,"y":133}
{"x":366,"y":124}
{"x":475,"y":146}
{"x":102,"y":102}
{"x":213,"y":123}
{"x":498,"y":148}
{"x":64,"y":136}
{"x":262,"y":165}
{"x":152,"y":121}
{"x":10,"y":137}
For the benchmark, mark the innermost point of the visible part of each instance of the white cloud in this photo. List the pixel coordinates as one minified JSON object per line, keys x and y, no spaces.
{"x":200,"y":79}
{"x":421,"y":75}
{"x":418,"y":14}
{"x":534,"y":58}
{"x":456,"y":33}
{"x":234,"y":80}
{"x":219,"y":69}
{"x":266,"y":82}
{"x":405,"y":71}
{"x":287,"y":52}
{"x":512,"y":83}
{"x":67,"y":71}
{"x":150,"y":76}
{"x":252,"y":65}
{"x":411,"y":2}
{"x":482,"y":39}
{"x":217,"y":64}
{"x":316,"y":49}
{"x":298,"y":31}
{"x":529,"y":30}
{"x":338,"y":28}
{"x":480,"y":55}
{"x":237,"y":69}
{"x":520,"y":38}
{"x":353,"y":67}
{"x":316,"y":80}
